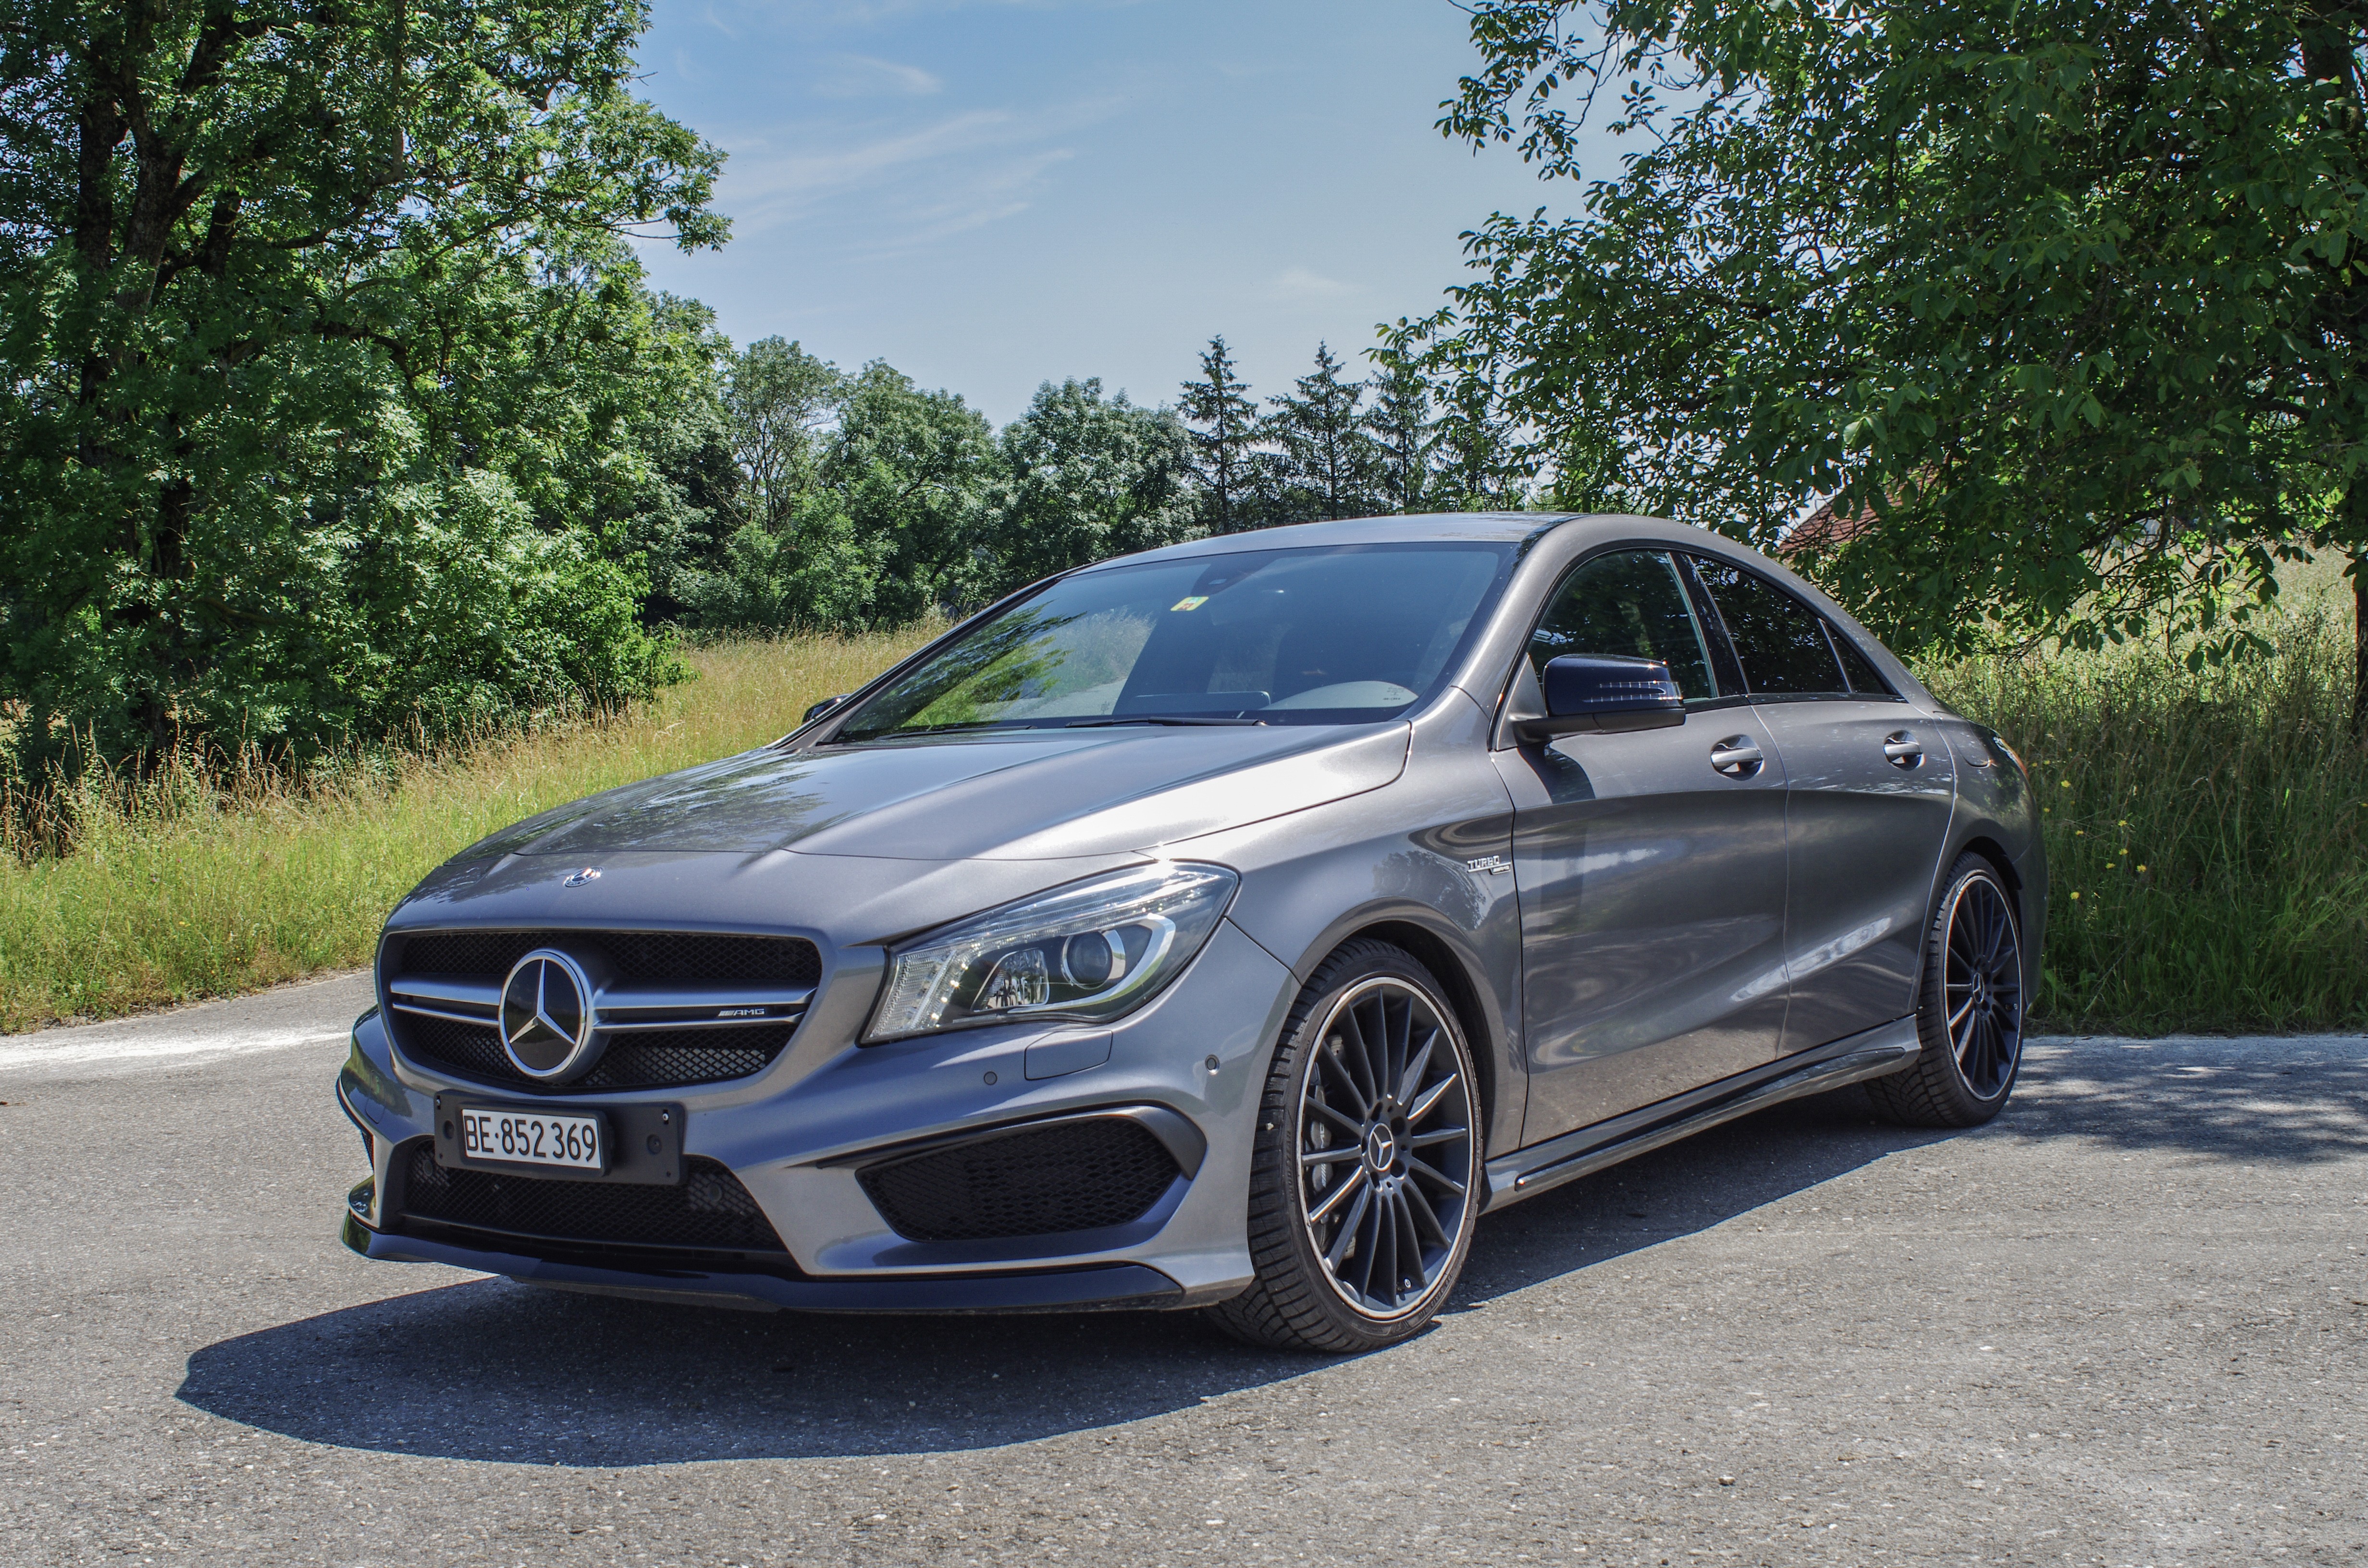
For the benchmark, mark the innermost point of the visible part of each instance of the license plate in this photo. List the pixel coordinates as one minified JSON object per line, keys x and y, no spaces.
{"x":532,"y":1137}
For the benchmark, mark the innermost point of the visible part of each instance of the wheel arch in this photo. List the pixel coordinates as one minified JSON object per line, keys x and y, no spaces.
{"x":1990,"y":849}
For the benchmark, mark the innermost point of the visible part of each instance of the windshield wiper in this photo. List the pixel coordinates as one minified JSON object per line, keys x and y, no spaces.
{"x":918,"y":731}
{"x":1175,"y":719}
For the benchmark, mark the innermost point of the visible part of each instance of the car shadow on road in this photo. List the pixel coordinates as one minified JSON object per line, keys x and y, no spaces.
{"x":491,"y":1370}
{"x":486,"y":1370}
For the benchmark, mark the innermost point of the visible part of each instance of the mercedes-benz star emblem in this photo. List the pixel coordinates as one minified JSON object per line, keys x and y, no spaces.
{"x":547,"y":1015}
{"x":577,"y":879}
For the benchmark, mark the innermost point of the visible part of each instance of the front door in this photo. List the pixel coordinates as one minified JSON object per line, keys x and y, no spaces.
{"x":1650,"y":867}
{"x":1870,"y":788}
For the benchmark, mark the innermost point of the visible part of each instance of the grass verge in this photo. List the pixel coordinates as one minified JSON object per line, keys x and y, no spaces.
{"x":203,"y":884}
{"x":2204,"y":831}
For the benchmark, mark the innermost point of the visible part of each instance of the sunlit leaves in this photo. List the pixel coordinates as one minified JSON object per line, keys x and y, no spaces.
{"x":2058,"y":298}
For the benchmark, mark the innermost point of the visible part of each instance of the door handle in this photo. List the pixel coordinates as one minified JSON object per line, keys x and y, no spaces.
{"x":1903,"y":749}
{"x":1736,"y":756}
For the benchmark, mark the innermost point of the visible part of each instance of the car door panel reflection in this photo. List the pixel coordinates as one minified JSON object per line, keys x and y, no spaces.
{"x":1651,"y":895}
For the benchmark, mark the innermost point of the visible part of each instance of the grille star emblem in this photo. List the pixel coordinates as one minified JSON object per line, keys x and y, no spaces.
{"x":546,"y":1018}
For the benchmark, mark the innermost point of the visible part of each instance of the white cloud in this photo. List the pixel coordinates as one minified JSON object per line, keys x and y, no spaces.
{"x":863,"y":76}
{"x":902,"y":186}
{"x":1297,"y":283}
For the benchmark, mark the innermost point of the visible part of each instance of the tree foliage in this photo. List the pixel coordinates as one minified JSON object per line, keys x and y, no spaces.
{"x":1224,"y":431}
{"x":1091,"y":476}
{"x":2062,"y":301}
{"x":325,"y":376}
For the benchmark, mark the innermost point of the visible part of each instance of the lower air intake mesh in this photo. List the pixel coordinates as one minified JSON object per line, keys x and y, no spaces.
{"x":1071,"y":1175}
{"x":709,"y":1210}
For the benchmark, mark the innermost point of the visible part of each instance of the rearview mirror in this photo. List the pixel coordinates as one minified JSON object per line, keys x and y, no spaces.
{"x":824,"y":706}
{"x":1605,"y":691}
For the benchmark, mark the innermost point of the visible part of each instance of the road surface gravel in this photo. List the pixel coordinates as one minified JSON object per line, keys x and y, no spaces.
{"x":2126,"y":1324}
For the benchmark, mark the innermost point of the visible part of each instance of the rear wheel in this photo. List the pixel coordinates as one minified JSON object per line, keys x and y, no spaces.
{"x":1365,"y":1175}
{"x":1970,"y":1012}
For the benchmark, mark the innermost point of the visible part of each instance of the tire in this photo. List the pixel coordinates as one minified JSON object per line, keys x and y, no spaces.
{"x":1373,"y":1075}
{"x":1971,"y":1007}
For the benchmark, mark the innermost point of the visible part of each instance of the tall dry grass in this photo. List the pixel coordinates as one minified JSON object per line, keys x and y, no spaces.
{"x":212,"y":877}
{"x":2207,"y":832}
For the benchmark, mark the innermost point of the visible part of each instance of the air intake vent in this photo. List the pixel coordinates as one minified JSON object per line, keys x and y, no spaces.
{"x":1033,"y":1181}
{"x":657,"y":1060}
{"x":709,"y":1211}
{"x":639,"y":957}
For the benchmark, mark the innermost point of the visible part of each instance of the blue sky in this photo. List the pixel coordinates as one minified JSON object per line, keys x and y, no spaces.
{"x":991,"y":193}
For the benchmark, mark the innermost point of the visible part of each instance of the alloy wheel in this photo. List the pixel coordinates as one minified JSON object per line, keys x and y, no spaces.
{"x":1983,"y":986}
{"x":1385,"y":1148}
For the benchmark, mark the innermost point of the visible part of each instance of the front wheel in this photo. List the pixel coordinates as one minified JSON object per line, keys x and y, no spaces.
{"x":1969,"y":1016}
{"x":1365,"y":1174}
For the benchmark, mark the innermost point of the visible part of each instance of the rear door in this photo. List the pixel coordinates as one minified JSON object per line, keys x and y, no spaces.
{"x":1870,"y":786}
{"x":1650,"y":866}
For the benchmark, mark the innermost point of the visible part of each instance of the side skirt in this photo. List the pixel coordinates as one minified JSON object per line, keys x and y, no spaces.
{"x":1525,"y":1173}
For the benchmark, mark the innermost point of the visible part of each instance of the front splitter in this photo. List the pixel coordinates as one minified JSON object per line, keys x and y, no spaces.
{"x":1103,"y":1286}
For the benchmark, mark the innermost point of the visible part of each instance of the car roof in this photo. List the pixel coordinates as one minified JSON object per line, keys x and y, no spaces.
{"x":1428,"y":528}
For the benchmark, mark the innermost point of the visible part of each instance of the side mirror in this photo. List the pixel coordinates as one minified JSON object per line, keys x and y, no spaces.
{"x":824,"y":706}
{"x":1605,"y":691}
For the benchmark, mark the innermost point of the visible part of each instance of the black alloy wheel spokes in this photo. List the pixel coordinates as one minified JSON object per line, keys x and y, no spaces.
{"x":1983,"y":987}
{"x":1384,"y":1147}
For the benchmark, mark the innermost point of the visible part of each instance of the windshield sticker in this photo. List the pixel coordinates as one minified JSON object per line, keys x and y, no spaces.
{"x":1195,"y":602}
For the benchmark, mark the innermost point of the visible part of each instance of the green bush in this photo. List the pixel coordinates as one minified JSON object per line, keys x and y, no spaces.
{"x":2204,"y":830}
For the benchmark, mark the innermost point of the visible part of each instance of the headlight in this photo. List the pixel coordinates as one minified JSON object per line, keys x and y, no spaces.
{"x":1088,"y":952}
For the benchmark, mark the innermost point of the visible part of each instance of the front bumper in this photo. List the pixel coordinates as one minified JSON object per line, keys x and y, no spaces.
{"x":797,"y":1136}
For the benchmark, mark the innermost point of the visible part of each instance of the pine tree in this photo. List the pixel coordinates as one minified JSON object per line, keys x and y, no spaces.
{"x":1330,"y":463}
{"x":1224,"y":424}
{"x":1405,"y":436}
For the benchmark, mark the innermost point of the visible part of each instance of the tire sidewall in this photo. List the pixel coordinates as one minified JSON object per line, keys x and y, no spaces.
{"x":1932,"y":1015}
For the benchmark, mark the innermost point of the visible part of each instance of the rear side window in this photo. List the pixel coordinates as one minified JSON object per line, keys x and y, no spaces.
{"x":1865,"y":679}
{"x":1781,"y":642}
{"x":1631,"y":603}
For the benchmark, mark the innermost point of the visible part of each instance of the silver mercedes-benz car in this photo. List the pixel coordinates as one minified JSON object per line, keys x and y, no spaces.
{"x":1226,"y":927}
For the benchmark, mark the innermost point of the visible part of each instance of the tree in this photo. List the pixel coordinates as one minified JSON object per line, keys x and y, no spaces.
{"x":918,"y":471}
{"x":780,"y":401}
{"x":1330,"y":466}
{"x":1090,"y":477}
{"x":1224,"y":424}
{"x":2065,"y":300}
{"x":1405,"y":436}
{"x":283,"y":287}
{"x":883,"y":519}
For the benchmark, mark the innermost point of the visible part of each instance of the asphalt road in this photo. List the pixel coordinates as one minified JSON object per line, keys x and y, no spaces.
{"x":2126,"y":1324}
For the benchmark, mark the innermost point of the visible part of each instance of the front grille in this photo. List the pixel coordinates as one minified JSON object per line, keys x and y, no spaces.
{"x":634,"y":1059}
{"x":709,"y":1211}
{"x":1034,"y":1181}
{"x":639,"y":957}
{"x":644,"y":1059}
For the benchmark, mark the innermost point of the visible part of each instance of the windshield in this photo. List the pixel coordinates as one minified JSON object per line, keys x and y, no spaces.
{"x":1316,"y":636}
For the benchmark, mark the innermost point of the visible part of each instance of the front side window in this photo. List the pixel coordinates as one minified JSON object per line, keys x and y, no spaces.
{"x":1780,"y":642}
{"x":1345,"y":635}
{"x":1634,"y":604}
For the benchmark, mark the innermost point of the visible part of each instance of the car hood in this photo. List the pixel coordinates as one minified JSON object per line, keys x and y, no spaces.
{"x":1028,"y":795}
